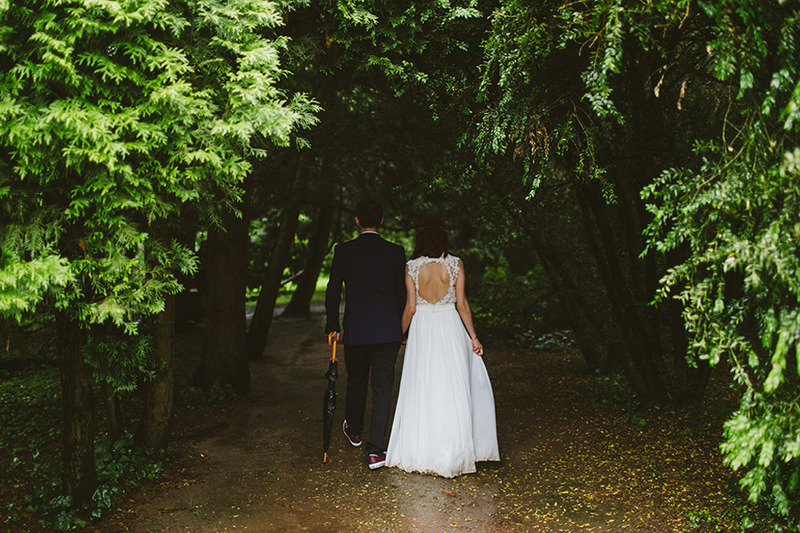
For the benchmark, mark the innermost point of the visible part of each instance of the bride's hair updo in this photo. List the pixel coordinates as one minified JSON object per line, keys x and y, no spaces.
{"x":431,"y":239}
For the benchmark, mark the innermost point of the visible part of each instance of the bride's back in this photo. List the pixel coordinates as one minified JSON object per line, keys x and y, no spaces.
{"x":434,"y":281}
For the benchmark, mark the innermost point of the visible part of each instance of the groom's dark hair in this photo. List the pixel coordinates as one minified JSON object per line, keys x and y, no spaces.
{"x":369,"y":213}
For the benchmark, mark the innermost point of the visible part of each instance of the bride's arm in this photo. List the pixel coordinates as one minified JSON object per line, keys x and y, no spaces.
{"x":411,"y":302}
{"x":464,"y":311}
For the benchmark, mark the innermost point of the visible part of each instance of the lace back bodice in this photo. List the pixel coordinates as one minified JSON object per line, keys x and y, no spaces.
{"x":451,"y":262}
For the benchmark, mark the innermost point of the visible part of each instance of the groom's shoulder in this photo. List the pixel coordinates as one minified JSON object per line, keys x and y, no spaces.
{"x":388,"y":250}
{"x":346,"y":244}
{"x":343,"y":250}
{"x":396,"y":248}
{"x":374,"y":243}
{"x":393,"y":244}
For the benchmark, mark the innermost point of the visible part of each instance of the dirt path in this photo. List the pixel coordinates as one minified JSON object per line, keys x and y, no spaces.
{"x":569,"y":464}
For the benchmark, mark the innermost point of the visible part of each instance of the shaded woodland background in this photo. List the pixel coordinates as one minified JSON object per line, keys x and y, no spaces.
{"x":623,"y":171}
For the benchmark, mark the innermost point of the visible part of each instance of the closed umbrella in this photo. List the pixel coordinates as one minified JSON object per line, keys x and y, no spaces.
{"x":329,"y":399}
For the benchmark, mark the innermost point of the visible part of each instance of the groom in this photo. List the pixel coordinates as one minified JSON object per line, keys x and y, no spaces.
{"x":372,"y":271}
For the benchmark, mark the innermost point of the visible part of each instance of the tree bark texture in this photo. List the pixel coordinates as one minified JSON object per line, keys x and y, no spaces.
{"x":617,"y":268}
{"x":114,"y":413}
{"x":565,"y":251}
{"x":300,"y":304}
{"x":154,"y":427}
{"x":224,"y":358}
{"x":589,"y":250}
{"x":80,"y":474}
{"x":265,"y":307}
{"x":590,"y":247}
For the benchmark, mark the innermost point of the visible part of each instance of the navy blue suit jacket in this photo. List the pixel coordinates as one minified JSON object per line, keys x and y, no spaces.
{"x":373,"y":273}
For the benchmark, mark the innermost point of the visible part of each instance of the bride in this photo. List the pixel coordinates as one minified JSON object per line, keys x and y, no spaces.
{"x":445,"y":421}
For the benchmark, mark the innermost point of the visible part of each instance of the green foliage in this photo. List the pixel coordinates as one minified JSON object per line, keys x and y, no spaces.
{"x":29,"y":403}
{"x":557,"y":78}
{"x":23,"y":284}
{"x":396,"y":38}
{"x":114,"y":116}
{"x":397,"y":69}
{"x":120,"y":360}
{"x":30,"y":414}
{"x":737,"y":213}
{"x":511,"y":306}
{"x":536,"y":113}
{"x":118,"y":463}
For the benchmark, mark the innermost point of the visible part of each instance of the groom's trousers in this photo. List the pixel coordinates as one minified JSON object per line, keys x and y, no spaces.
{"x":361,"y":360}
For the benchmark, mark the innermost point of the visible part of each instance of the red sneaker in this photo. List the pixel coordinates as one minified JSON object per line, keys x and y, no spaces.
{"x":376,"y":460}
{"x":355,"y":440}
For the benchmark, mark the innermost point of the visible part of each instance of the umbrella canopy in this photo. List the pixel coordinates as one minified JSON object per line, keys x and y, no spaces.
{"x":329,"y":400}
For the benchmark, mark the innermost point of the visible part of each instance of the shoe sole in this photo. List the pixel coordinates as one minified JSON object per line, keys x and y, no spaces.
{"x":354,"y":444}
{"x":375,"y":466}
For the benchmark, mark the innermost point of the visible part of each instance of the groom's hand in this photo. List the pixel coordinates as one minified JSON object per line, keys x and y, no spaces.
{"x":333,"y":336}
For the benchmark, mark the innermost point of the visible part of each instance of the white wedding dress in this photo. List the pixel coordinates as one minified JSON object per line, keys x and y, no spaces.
{"x":444,"y":421}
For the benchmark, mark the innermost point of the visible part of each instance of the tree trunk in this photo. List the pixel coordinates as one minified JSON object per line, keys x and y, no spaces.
{"x":265,"y":307}
{"x":585,"y":248}
{"x":80,"y":474}
{"x":616,"y":272}
{"x":154,"y":426}
{"x":300,"y":303}
{"x":189,"y":302}
{"x":585,"y":325}
{"x":224,"y":358}
{"x":566,"y":251}
{"x":116,"y":418}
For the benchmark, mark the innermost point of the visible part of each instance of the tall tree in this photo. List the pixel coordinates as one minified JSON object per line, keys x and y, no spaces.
{"x":736,"y":212}
{"x":550,"y":73}
{"x":599,"y":99}
{"x":154,"y":426}
{"x":224,"y":356}
{"x":111,"y":122}
{"x":300,"y":304}
{"x":265,"y":307}
{"x":373,"y":66}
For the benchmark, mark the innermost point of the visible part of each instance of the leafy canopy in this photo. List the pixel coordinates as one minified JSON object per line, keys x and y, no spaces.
{"x":115,"y":115}
{"x":738,"y":212}
{"x":557,"y":81}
